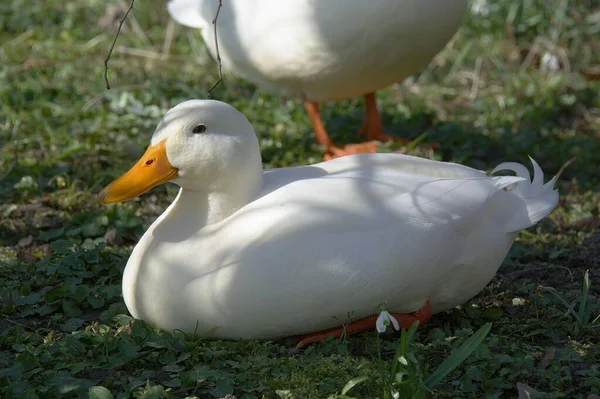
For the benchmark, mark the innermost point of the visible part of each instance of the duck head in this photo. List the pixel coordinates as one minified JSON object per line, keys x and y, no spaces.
{"x":201,"y":145}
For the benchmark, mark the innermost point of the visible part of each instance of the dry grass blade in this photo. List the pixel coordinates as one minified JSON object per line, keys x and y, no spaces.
{"x":169,"y":36}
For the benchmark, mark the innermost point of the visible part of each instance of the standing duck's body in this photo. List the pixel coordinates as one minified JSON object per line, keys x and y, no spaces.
{"x":266,"y":254}
{"x":326,"y":50}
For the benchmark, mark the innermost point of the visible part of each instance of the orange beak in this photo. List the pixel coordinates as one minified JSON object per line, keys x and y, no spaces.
{"x":152,"y":169}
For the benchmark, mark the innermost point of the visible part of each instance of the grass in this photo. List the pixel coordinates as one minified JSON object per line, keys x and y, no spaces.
{"x":487,"y":98}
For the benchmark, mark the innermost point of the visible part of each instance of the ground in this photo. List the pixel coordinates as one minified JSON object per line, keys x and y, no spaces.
{"x":519,"y":79}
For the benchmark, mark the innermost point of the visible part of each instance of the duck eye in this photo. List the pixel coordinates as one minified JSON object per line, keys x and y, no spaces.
{"x":199,"y":129}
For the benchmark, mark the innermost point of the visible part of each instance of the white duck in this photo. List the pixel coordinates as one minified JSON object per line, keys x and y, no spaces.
{"x":262,"y":254}
{"x":326,"y":50}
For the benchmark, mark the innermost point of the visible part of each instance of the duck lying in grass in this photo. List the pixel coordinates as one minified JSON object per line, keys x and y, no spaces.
{"x":326,"y":50}
{"x":264,"y":254}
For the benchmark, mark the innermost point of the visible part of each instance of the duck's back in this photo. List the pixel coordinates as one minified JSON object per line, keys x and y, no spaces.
{"x":326,"y":50}
{"x":338,"y":238}
{"x":326,"y":240}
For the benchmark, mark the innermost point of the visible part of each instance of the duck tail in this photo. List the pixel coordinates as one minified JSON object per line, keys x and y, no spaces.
{"x":539,"y":199}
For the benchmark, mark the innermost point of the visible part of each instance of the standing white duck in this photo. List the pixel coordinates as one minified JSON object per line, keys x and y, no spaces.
{"x":326,"y":50}
{"x":267,"y":254}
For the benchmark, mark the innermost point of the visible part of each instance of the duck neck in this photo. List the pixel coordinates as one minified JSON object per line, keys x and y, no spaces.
{"x":210,"y":207}
{"x":194,"y":210}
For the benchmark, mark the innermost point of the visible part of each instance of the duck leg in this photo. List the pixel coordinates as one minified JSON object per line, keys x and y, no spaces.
{"x":372,"y":127}
{"x":321,"y":136}
{"x":368,"y":323}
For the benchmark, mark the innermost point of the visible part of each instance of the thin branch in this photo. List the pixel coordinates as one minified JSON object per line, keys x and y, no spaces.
{"x":115,"y":42}
{"x":137,"y":28}
{"x":214,"y":22}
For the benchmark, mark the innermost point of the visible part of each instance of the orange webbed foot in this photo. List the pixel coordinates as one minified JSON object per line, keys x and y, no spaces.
{"x":377,"y":134}
{"x":350,"y":149}
{"x":405,"y":320}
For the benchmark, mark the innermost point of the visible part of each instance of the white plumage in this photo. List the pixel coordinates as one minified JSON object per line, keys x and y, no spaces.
{"x":324,"y":50}
{"x":266,"y":254}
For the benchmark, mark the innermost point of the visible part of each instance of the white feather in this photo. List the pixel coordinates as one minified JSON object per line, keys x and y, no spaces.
{"x":325,"y":50}
{"x":266,"y":254}
{"x":537,"y":198}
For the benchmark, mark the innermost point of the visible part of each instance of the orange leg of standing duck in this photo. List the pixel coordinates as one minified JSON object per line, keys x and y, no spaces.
{"x":334,"y":151}
{"x":372,"y":127}
{"x":321,"y":136}
{"x":405,"y":320}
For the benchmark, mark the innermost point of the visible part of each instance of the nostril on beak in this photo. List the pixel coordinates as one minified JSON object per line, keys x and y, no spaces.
{"x":149,"y":162}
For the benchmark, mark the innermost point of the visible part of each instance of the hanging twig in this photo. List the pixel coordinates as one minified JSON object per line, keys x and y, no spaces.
{"x":115,"y":42}
{"x":214,"y":22}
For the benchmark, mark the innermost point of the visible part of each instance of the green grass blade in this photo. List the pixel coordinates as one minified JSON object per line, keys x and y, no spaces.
{"x":410,"y":334}
{"x":413,"y":144}
{"x":352,"y":383}
{"x":583,"y":308}
{"x":570,"y":308}
{"x":458,"y":356}
{"x":405,"y":340}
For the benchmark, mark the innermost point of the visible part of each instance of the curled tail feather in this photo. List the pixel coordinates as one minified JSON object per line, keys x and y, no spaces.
{"x":539,"y":199}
